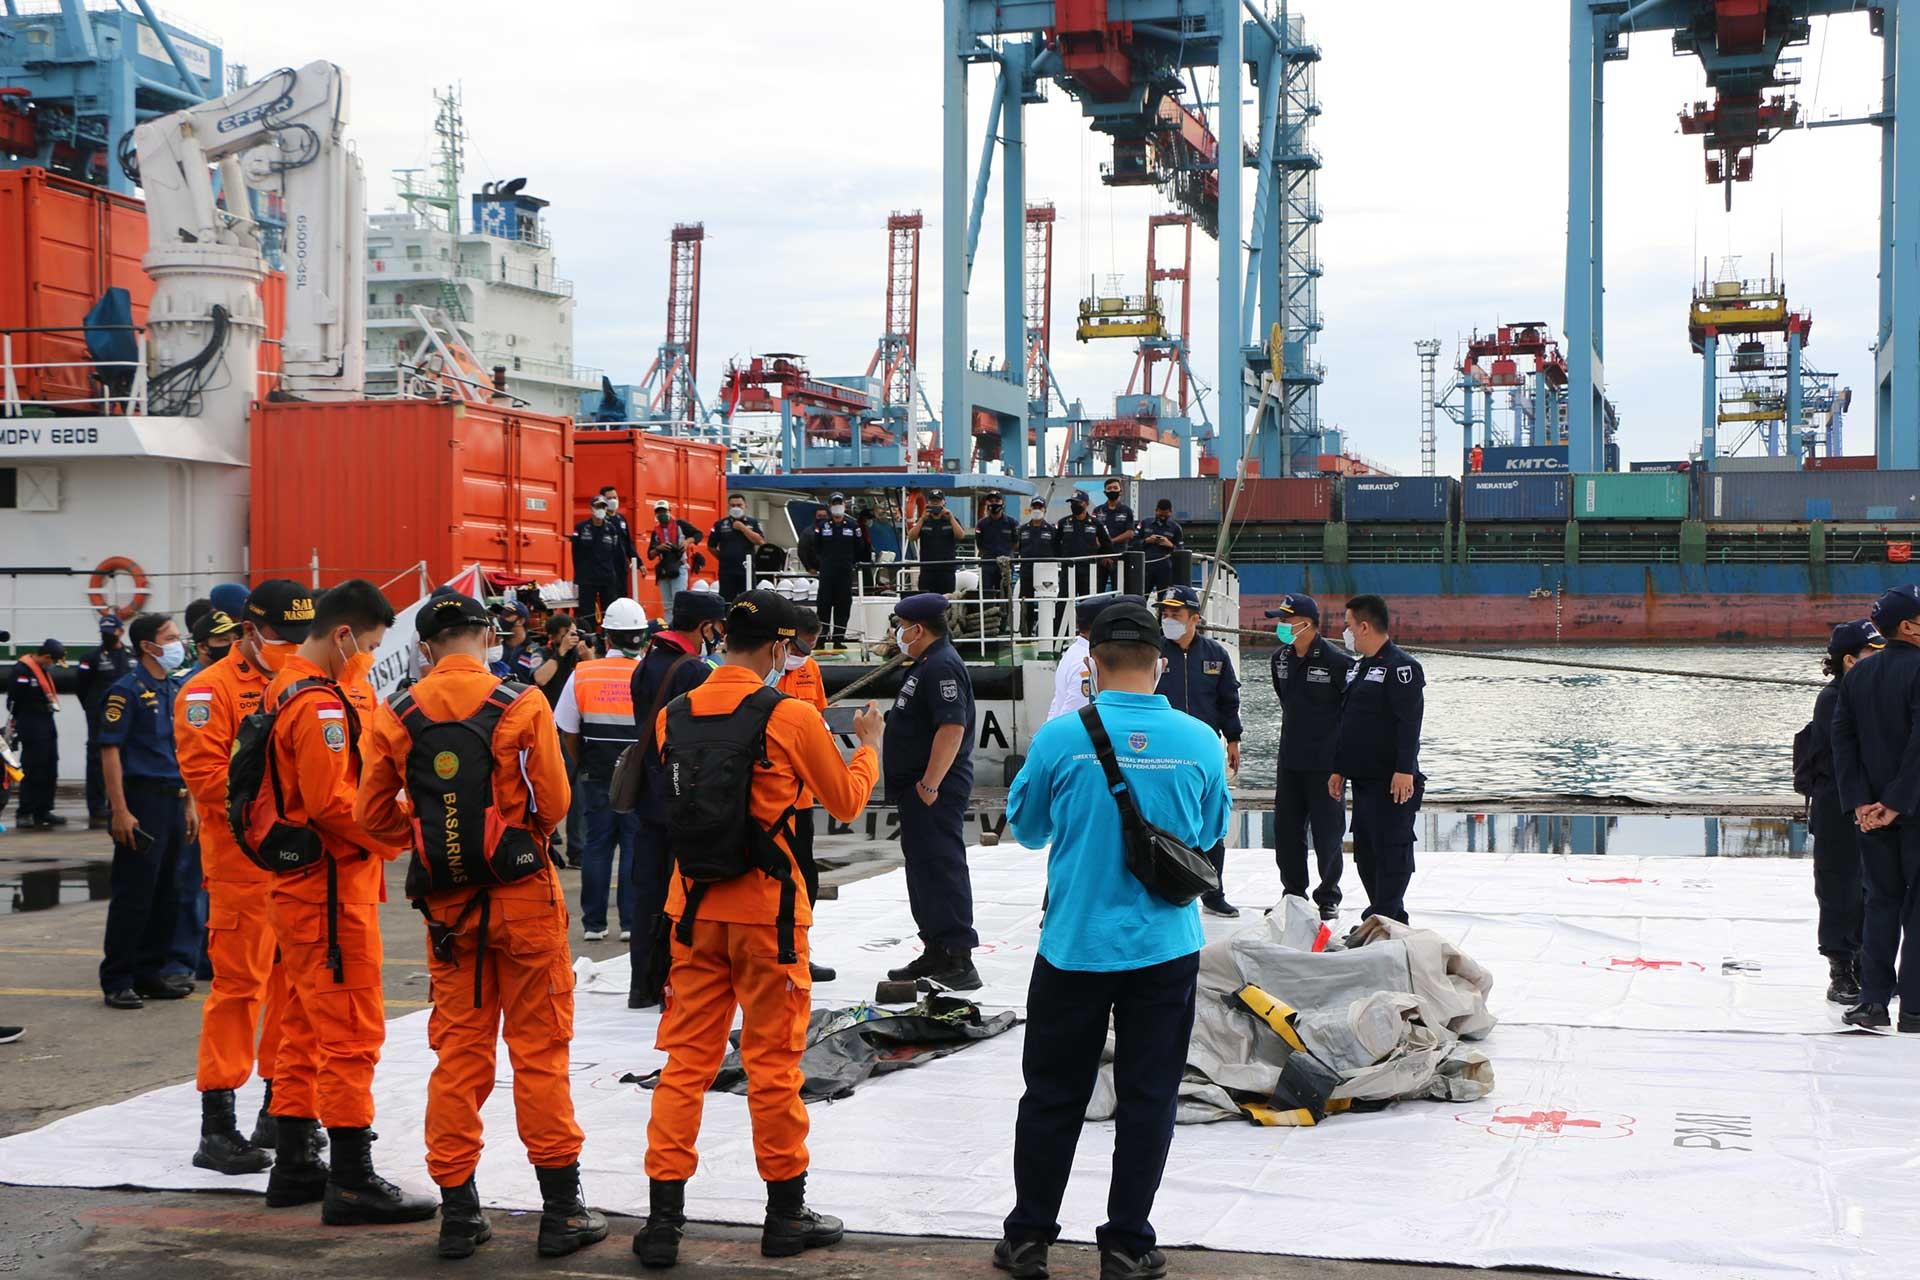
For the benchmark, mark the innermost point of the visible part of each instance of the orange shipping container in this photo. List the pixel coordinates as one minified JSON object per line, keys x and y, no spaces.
{"x":645,"y":468}
{"x":372,"y":487}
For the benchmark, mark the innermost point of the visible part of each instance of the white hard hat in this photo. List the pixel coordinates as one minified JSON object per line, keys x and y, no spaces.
{"x":624,"y":614}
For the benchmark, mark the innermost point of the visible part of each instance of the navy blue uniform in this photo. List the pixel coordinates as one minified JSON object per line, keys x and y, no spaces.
{"x":732,"y":549}
{"x":1036,"y":543}
{"x":937,"y":691}
{"x":99,"y":671}
{"x":993,"y":538}
{"x":1309,"y":690}
{"x":1118,"y":520}
{"x":1159,"y":559}
{"x":1837,"y":883}
{"x":840,"y":543}
{"x":938,"y":542}
{"x":652,"y":864}
{"x":1378,"y":735}
{"x":1200,"y":680}
{"x":1876,"y":760}
{"x":143,"y":912}
{"x":602,"y":550}
{"x":1079,"y":536}
{"x":39,"y":741}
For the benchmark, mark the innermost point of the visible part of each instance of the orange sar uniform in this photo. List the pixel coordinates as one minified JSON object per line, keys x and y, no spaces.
{"x":809,"y":686}
{"x":732,"y":963}
{"x":526,"y":970}
{"x":249,"y":990}
{"x":332,"y":1031}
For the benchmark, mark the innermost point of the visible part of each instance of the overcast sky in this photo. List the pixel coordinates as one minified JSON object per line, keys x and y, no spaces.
{"x":792,"y":130}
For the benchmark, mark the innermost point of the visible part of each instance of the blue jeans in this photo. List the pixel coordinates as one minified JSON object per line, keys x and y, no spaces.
{"x":669,"y":588}
{"x":604,"y":828}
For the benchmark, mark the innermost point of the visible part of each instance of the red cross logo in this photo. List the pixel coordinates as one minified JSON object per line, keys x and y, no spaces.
{"x":1642,"y":964}
{"x":1549,"y":1122}
{"x":1553,"y":1122}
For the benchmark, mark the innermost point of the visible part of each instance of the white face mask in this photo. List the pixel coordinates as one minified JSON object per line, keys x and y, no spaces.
{"x":795,"y":661}
{"x":736,"y":512}
{"x":613,"y":505}
{"x":836,"y":510}
{"x":1347,"y":636}
{"x":900,"y":637}
{"x":772,"y":677}
{"x":172,"y":655}
{"x":495,"y":652}
{"x":1173,"y":628}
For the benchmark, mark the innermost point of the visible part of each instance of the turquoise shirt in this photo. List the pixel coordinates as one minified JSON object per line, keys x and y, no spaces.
{"x":1099,"y":917}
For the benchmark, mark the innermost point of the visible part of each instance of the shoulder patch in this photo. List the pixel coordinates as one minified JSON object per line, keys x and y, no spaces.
{"x":950,"y":690}
{"x":198,"y":713}
{"x":1377,"y":675}
{"x":335,"y":735}
{"x":116,"y":706}
{"x":1405,"y":674}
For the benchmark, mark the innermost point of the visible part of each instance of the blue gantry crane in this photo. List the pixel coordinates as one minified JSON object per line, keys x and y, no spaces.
{"x":1130,"y":65}
{"x":1740,"y":44}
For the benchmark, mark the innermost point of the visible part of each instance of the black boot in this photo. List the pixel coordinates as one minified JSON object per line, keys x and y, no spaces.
{"x":657,"y":1242}
{"x":566,"y":1223}
{"x":298,"y":1176}
{"x":957,"y":974}
{"x":222,"y":1149}
{"x":358,"y":1196}
{"x":266,"y":1133}
{"x":463,"y":1228}
{"x":1845,"y":985}
{"x":792,"y":1228}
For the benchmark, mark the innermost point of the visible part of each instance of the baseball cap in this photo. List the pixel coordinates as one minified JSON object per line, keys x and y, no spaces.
{"x":1297,"y":605}
{"x":110,"y":624}
{"x":283,"y":606}
{"x":1185,"y":597}
{"x":215,"y":622}
{"x":936,"y":495}
{"x":447,"y":609}
{"x":691,"y":608}
{"x":1079,"y":495}
{"x":662,"y":505}
{"x":760,"y":615}
{"x":53,"y":648}
{"x":1125,"y":621}
{"x":229,"y":598}
{"x":1895,"y":607}
{"x":1852,"y":637}
{"x":1085,"y":611}
{"x":1038,"y":504}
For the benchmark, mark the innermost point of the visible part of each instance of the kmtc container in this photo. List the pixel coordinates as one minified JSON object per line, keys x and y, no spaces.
{"x":373,"y":487}
{"x":646,"y":468}
{"x":1633,"y":495}
{"x":1515,"y":497}
{"x":1399,"y":499}
{"x":1796,"y":496}
{"x":1279,"y":501}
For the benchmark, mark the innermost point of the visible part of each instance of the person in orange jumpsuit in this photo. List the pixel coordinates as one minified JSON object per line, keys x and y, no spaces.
{"x":249,"y":990}
{"x":326,"y":915}
{"x":730,"y":957}
{"x":802,"y":679}
{"x":497,"y":952}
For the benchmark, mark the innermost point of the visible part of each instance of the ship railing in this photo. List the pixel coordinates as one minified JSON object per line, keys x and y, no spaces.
{"x":14,"y":404}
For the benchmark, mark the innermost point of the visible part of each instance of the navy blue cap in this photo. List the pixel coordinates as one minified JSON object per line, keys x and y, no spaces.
{"x":53,"y":648}
{"x":1896,"y":606}
{"x":509,"y":605}
{"x":691,"y":608}
{"x":836,"y":497}
{"x":1186,"y":596}
{"x":1126,"y":621}
{"x":921,"y":608}
{"x":1297,"y":605}
{"x":1085,"y":611}
{"x":1852,"y":637}
{"x":110,"y":624}
{"x":230,"y":598}
{"x":940,"y":494}
{"x":1079,"y":495}
{"x":1037,"y":503}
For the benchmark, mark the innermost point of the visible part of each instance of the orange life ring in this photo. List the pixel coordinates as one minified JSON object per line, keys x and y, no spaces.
{"x":97,"y":595}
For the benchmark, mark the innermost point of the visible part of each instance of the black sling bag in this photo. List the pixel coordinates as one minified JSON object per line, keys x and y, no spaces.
{"x":1162,"y":862}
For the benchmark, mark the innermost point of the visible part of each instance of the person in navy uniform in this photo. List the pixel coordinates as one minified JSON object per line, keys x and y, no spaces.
{"x":1199,"y":679}
{"x":1876,"y":762}
{"x":938,"y":532}
{"x":602,"y":552}
{"x":152,"y":821}
{"x":99,"y":671}
{"x":733,"y":540}
{"x":1117,"y":518}
{"x":1837,"y":884}
{"x":1158,"y":537}
{"x":1376,"y":747}
{"x":1037,"y":541}
{"x":1080,"y":535}
{"x":1309,"y":679}
{"x":840,"y":544}
{"x":31,"y":700}
{"x":926,"y":760}
{"x":994,"y":534}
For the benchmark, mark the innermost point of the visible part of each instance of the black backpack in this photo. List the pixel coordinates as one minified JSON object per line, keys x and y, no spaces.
{"x":711,"y":832}
{"x":253,"y":784}
{"x":460,"y":838}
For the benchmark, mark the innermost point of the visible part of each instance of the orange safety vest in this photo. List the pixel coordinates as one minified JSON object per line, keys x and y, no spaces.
{"x":603,"y":690}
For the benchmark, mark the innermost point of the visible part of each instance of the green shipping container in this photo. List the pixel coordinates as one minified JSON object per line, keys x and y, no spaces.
{"x":1631,"y":495}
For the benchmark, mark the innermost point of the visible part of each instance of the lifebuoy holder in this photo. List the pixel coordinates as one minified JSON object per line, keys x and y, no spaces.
{"x":108,"y":568}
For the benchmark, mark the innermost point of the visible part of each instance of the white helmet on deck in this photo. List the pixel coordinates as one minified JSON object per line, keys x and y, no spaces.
{"x":624,"y":614}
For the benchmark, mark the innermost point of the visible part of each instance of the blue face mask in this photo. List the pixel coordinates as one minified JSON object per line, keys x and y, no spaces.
{"x":173,"y":655}
{"x":1285,"y":631}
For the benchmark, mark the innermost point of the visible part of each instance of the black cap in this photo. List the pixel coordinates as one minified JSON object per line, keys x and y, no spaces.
{"x":936,"y":495}
{"x":691,"y":608}
{"x":283,"y":606}
{"x":760,"y":615}
{"x":1895,"y":607}
{"x":1079,"y":495}
{"x":215,"y":622}
{"x":1037,"y":503}
{"x":447,"y":609}
{"x":993,"y":495}
{"x":1125,"y":621}
{"x":1853,"y":637}
{"x":53,"y":648}
{"x":1165,"y":504}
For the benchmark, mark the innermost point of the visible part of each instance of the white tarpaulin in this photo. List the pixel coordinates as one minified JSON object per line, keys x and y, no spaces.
{"x":398,"y":656}
{"x":1697,"y":1151}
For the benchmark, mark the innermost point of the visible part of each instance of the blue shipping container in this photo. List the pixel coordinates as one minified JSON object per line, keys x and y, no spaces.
{"x":1516,"y":497}
{"x":1869,"y":497}
{"x":1421,"y":499}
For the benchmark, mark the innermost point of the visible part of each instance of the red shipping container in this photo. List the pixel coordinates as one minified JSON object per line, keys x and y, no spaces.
{"x":1845,"y":462}
{"x":64,"y":244}
{"x":647,"y":467}
{"x":373,"y":487}
{"x":1279,"y":501}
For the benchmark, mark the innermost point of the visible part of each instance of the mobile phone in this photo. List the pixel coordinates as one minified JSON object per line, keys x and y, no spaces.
{"x":142,"y":840}
{"x":840,"y":718}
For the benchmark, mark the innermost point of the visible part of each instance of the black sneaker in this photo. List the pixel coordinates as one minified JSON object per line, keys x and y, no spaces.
{"x":1116,"y":1264}
{"x":1909,"y":1023}
{"x":1022,"y":1259}
{"x":49,"y":821}
{"x":1844,"y":987}
{"x":959,"y":977}
{"x":125,"y":998}
{"x":9,"y":1034}
{"x":924,"y":965}
{"x":820,"y":972}
{"x":1330,"y":913}
{"x":1216,"y":904}
{"x":1870,"y":1017}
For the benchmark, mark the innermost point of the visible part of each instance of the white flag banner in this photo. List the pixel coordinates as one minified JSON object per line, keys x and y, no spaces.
{"x":398,"y":658}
